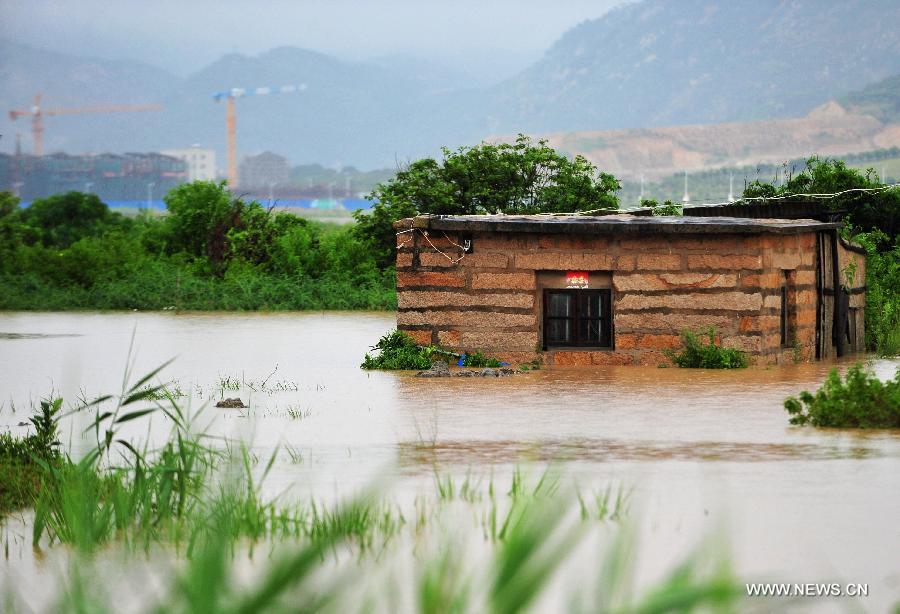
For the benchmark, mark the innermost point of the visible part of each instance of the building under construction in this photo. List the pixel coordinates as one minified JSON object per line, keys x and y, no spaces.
{"x":131,"y":176}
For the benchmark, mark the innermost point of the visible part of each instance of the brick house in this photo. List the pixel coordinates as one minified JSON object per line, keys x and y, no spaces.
{"x":619,"y":289}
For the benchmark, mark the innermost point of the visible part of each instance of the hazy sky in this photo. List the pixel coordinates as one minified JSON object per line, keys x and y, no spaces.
{"x":482,"y":37}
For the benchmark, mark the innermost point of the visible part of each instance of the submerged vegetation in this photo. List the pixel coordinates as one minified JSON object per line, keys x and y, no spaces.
{"x":477,"y":359}
{"x":203,"y":506}
{"x":860,"y":400}
{"x":709,"y":355}
{"x":398,"y":351}
{"x":25,"y":461}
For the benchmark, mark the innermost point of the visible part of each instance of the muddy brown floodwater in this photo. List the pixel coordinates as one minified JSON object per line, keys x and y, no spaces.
{"x":704,"y":452}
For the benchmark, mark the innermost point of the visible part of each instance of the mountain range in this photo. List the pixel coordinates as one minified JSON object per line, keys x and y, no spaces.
{"x":650,"y":64}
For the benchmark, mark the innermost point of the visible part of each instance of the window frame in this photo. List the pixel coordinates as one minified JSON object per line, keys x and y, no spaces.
{"x":606,"y":321}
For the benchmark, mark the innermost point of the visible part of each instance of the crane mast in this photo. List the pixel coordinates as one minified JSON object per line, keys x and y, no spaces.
{"x":229,"y":97}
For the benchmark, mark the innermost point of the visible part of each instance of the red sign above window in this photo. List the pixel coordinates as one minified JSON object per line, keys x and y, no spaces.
{"x":576,"y":279}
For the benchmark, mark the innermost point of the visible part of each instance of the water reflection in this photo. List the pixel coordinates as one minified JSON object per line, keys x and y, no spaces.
{"x":413,"y":455}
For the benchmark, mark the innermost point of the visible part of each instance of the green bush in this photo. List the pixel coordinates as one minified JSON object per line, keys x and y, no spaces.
{"x":882,"y":293}
{"x":666,"y":208}
{"x":23,"y":460}
{"x":865,"y":211}
{"x":479,"y":360}
{"x":62,"y":219}
{"x":861,"y":400}
{"x":699,"y":355}
{"x":398,"y":351}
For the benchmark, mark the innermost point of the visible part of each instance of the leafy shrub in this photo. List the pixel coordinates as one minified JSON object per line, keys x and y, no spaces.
{"x":861,"y":400}
{"x":699,"y":355}
{"x":666,"y":208}
{"x":533,"y":365}
{"x":882,"y":293}
{"x":23,"y":459}
{"x":398,"y":351}
{"x":62,"y":219}
{"x":865,"y":211}
{"x":479,"y":360}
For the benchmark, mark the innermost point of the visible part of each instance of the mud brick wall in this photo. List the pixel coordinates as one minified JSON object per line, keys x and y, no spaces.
{"x":490,"y":300}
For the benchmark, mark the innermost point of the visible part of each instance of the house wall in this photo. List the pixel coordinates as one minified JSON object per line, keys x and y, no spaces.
{"x":490,"y":299}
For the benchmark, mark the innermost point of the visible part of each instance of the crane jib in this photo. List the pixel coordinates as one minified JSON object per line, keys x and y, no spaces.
{"x":240,"y":92}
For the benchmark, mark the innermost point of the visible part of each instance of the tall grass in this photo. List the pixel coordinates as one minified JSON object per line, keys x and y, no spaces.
{"x":202,"y":505}
{"x":159,"y":286}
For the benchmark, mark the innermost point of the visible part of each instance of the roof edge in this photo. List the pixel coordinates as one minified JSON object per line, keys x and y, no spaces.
{"x":611,"y":224}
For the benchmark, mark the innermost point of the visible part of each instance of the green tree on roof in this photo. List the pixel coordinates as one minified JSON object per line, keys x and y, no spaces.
{"x":513,"y":178}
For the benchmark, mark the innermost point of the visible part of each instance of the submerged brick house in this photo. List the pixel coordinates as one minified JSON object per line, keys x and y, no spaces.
{"x":619,"y":289}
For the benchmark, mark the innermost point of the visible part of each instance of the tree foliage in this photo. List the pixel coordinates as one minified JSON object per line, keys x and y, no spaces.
{"x":62,"y":219}
{"x":882,"y":311}
{"x":864,"y":211}
{"x":513,"y":178}
{"x":200,"y":214}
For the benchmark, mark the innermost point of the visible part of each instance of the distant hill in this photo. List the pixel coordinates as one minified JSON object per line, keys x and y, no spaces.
{"x":351,"y":113}
{"x":669,"y":62}
{"x":645,"y":65}
{"x":655,"y":152}
{"x":880,"y":100}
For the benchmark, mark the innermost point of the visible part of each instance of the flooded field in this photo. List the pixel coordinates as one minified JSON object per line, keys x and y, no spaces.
{"x":703,"y":453}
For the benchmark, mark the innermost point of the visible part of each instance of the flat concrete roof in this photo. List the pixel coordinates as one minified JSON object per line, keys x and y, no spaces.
{"x":611,"y":224}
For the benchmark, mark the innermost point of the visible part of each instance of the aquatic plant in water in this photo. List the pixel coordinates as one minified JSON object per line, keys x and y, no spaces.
{"x":860,"y":400}
{"x":25,"y":460}
{"x":709,"y":355}
{"x":179,"y":495}
{"x":479,"y":360}
{"x":397,"y":350}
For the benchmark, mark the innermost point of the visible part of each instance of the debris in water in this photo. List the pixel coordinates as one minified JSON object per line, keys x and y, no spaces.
{"x":440,"y":369}
{"x":231,"y":404}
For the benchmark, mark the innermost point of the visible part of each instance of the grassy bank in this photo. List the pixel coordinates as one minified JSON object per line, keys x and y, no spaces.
{"x":159,"y":285}
{"x":212,"y":251}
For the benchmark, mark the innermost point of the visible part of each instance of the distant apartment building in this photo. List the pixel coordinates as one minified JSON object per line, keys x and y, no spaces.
{"x":263,"y":171}
{"x":201,"y":163}
{"x":131,"y":176}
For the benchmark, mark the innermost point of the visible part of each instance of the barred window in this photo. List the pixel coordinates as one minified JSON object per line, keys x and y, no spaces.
{"x":577,"y":318}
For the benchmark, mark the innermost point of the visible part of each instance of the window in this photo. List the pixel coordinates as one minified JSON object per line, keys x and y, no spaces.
{"x":577,"y":318}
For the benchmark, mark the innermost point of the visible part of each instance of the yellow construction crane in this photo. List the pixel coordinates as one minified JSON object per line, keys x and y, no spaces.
{"x":231,"y":118}
{"x":38,"y":113}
